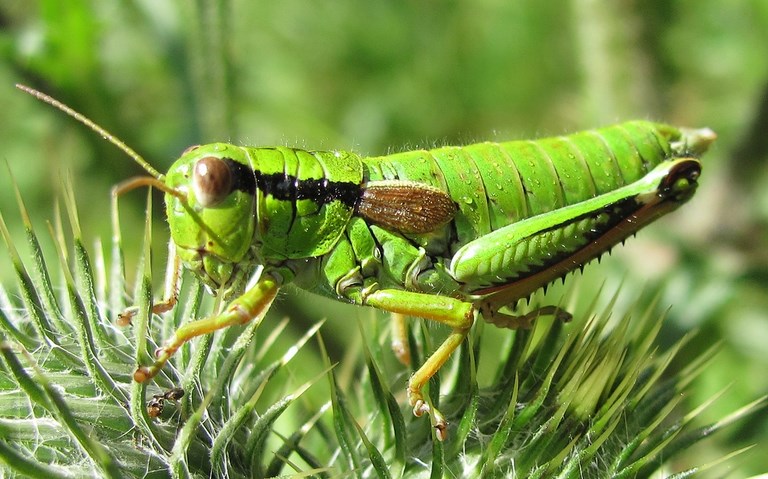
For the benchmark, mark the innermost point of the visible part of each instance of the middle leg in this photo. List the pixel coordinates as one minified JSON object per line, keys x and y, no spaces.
{"x":457,"y":314}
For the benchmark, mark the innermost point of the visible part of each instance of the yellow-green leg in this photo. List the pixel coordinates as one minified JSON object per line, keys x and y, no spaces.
{"x":452,"y":312}
{"x":170,"y":295}
{"x":400,"y":338}
{"x":252,"y":304}
{"x":491,"y":315}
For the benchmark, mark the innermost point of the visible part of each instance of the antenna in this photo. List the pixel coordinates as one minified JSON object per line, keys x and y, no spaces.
{"x":93,"y":126}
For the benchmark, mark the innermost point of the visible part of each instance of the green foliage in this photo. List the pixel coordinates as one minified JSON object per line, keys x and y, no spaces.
{"x":588,"y":399}
{"x":370,"y":76}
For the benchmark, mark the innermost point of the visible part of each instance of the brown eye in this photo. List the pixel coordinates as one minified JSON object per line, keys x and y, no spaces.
{"x":189,"y":149}
{"x":211,"y":180}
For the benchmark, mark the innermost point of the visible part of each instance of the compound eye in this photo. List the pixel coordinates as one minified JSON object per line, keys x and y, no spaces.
{"x":211,"y":181}
{"x":190,"y":149}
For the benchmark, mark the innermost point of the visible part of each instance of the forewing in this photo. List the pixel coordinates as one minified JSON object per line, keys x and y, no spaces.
{"x":405,"y":206}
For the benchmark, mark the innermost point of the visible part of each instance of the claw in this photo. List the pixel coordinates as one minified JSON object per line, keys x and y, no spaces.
{"x":420,"y":407}
{"x":162,"y":355}
{"x":142,"y":373}
{"x":124,"y":318}
{"x":440,"y":425}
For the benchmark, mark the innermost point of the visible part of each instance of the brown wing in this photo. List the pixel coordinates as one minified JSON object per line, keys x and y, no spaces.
{"x":405,"y":206}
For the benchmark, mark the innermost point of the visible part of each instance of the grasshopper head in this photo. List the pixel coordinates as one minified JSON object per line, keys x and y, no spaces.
{"x":209,"y":200}
{"x":212,"y":223}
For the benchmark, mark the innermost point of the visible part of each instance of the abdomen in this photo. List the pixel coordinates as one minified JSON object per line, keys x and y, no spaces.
{"x":496,"y":184}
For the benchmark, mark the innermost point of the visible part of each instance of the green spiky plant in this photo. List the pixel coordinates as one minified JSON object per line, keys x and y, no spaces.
{"x":587,"y":399}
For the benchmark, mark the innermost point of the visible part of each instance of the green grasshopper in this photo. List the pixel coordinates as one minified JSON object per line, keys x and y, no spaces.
{"x":450,"y":234}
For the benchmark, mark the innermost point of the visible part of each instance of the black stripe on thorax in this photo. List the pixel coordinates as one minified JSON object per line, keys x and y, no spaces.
{"x":290,"y":188}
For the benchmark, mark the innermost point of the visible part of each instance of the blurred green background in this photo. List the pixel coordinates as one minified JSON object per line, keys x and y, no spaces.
{"x":378,"y":77}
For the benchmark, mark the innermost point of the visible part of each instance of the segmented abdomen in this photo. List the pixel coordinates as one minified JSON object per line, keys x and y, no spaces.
{"x":496,"y":184}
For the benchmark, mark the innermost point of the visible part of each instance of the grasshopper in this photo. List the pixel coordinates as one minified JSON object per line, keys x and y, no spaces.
{"x":451,"y":234}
